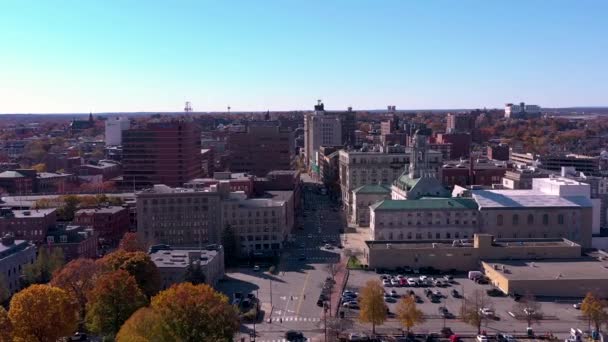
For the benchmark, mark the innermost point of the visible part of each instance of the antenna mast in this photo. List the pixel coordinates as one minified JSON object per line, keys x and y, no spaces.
{"x":188,"y":107}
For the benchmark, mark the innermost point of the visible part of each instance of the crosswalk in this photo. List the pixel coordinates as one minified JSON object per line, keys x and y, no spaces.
{"x":296,"y":319}
{"x":317,"y":258}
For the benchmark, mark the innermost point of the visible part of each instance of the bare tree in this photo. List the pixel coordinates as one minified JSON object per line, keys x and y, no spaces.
{"x":335,"y":326}
{"x":333,"y":269}
{"x":529,"y":309}
{"x":473,"y":307}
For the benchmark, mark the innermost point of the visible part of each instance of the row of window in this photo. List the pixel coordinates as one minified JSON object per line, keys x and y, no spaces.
{"x":430,"y":222}
{"x":258,"y":238}
{"x":530,"y":219}
{"x":420,"y":236}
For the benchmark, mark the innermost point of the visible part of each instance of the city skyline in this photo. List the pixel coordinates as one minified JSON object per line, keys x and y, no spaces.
{"x":109,"y":57}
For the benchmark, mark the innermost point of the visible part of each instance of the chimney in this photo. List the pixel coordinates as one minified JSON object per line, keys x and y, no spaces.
{"x":8,"y":240}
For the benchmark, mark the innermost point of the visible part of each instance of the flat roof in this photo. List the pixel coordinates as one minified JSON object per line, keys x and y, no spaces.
{"x":102,"y":210}
{"x":181,"y":258}
{"x":427,"y":203}
{"x":468,"y":243}
{"x":525,"y":199}
{"x":552,"y":269}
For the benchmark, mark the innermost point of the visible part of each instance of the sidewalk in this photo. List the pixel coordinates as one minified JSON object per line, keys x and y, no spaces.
{"x":340,"y":278}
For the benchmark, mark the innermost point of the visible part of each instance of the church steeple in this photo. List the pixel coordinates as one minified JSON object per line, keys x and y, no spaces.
{"x":91,"y":117}
{"x":419,"y":162}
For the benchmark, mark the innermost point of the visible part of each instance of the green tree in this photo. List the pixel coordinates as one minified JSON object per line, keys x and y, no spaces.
{"x":112,"y":301}
{"x":41,"y":271}
{"x":69,"y":207}
{"x":371,"y":301}
{"x":194,"y":273}
{"x":230,"y":245}
{"x":139,"y":265}
{"x":195,"y":313}
{"x":594,"y":309}
{"x":42,"y":313}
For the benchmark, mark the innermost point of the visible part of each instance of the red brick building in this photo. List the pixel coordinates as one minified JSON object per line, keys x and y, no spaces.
{"x":16,"y":183}
{"x":260,"y":147}
{"x":27,"y":224}
{"x":75,"y":242}
{"x":111,"y":223}
{"x":498,"y":152}
{"x":161,"y":153}
{"x":484,"y":172}
{"x":461,"y":143}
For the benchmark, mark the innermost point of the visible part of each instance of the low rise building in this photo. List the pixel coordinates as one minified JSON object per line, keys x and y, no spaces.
{"x":236,"y":181}
{"x":27,"y":224}
{"x":14,"y":255}
{"x":173,"y":262}
{"x":110,"y":222}
{"x":464,"y":254}
{"x":364,"y":197}
{"x":75,"y":242}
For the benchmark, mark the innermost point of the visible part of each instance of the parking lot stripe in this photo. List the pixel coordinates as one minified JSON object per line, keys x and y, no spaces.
{"x":302,"y":293}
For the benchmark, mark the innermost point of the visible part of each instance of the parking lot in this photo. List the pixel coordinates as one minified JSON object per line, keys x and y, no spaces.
{"x":558,"y":315}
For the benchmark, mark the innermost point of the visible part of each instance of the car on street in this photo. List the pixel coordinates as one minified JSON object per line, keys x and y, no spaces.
{"x":577,"y":306}
{"x":389,"y":299}
{"x":486,"y":312}
{"x":437,"y":294}
{"x":505,"y":338}
{"x":357,"y":337}
{"x":482,"y":338}
{"x":294,"y":336}
{"x":328,"y":246}
{"x":256,"y":268}
{"x":435,"y":299}
{"x":528,"y":311}
{"x":448,"y":278}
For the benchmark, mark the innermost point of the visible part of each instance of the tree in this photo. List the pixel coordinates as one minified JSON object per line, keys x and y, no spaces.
{"x":139,"y":265}
{"x":6,"y":326}
{"x":112,"y":301}
{"x":143,"y":326}
{"x":77,"y":278}
{"x":42,"y":313}
{"x":529,"y":309}
{"x":408,"y":314}
{"x":5,"y":294}
{"x":471,"y":310}
{"x":41,"y":167}
{"x":230,"y":244}
{"x":130,"y":243}
{"x":41,"y":271}
{"x":373,"y":308}
{"x":333,"y":269}
{"x":594,"y":309}
{"x":69,"y":207}
{"x":196,"y":313}
{"x":194,"y":274}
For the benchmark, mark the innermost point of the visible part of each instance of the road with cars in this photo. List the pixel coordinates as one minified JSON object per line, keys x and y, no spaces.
{"x":290,"y":297}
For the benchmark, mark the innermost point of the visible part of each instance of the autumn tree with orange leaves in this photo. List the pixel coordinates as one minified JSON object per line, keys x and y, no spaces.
{"x":186,"y":312}
{"x":42,"y":313}
{"x":77,"y":278}
{"x":144,"y":325}
{"x":138,"y":264}
{"x":112,"y":301}
{"x":6,"y":326}
{"x":130,"y":243}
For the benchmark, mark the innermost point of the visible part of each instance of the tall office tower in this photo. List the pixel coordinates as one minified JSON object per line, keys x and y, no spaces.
{"x":161,"y":153}
{"x":321,"y":128}
{"x":260,"y":147}
{"x":114,"y":128}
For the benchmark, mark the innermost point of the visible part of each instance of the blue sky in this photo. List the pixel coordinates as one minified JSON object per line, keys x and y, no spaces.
{"x":103,"y":56}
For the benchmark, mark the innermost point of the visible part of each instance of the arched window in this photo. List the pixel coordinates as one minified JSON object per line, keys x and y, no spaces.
{"x":560,"y":218}
{"x":546,"y":219}
{"x":499,"y":219}
{"x":530,"y":219}
{"x":515,"y":220}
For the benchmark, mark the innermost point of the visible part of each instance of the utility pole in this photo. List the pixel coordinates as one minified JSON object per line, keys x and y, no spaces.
{"x":270,"y":279}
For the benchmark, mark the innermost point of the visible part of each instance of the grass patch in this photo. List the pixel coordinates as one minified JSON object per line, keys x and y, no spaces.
{"x":354,"y":263}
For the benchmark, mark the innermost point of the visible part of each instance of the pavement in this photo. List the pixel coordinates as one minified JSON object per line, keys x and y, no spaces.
{"x":289,"y":297}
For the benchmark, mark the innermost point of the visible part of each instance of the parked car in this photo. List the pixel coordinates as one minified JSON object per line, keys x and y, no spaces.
{"x":394,"y":294}
{"x":448,"y":278}
{"x":256,"y":268}
{"x":505,"y":338}
{"x":386,"y":282}
{"x":412,"y":282}
{"x":482,"y":338}
{"x":358,"y":337}
{"x":455,"y":293}
{"x":577,"y":306}
{"x":394,"y":282}
{"x":294,"y":336}
{"x":487,"y":312}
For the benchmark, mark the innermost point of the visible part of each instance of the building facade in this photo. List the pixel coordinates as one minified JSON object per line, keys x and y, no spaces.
{"x":114,"y":128}
{"x":260,"y":147}
{"x":179,"y":216}
{"x":161,"y":153}
{"x":110,"y":222}
{"x":14,"y":255}
{"x":321,"y":128}
{"x":27,"y":224}
{"x":172,"y":263}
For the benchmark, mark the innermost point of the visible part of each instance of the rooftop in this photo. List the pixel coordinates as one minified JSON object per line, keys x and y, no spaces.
{"x":468,"y":243}
{"x":525,"y":199}
{"x":373,"y":189}
{"x":427,"y":203}
{"x":101,"y":210}
{"x":35,"y":213}
{"x":17,"y":246}
{"x":181,"y":258}
{"x":11,"y":174}
{"x":565,"y":269}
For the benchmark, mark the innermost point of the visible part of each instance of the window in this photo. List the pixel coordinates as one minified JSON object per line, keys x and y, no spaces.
{"x":530,"y":219}
{"x":499,"y":219}
{"x":546,"y":219}
{"x":515,"y":220}
{"x":560,"y":218}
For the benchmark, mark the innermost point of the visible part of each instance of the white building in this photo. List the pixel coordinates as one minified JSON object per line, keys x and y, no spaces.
{"x":114,"y":127}
{"x":261,"y":225}
{"x":172,"y":263}
{"x":521,"y":110}
{"x":321,"y":128}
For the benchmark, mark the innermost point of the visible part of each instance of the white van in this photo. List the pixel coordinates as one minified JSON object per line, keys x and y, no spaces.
{"x":475,"y":274}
